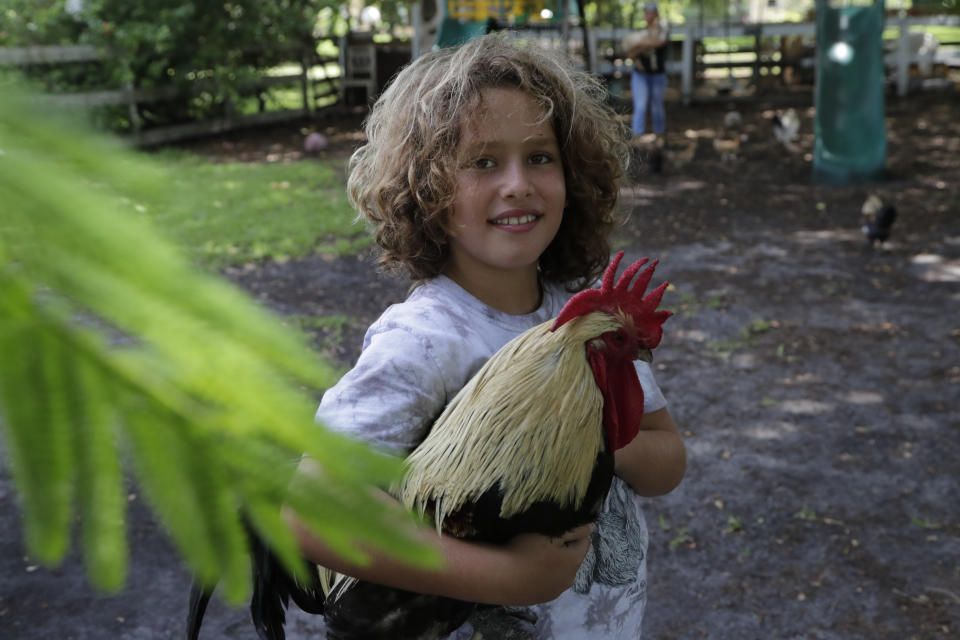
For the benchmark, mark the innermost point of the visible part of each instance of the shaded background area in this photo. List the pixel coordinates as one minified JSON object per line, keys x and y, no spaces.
{"x":816,"y":383}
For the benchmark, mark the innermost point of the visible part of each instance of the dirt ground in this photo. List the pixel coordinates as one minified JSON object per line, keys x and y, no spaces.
{"x":816,"y":383}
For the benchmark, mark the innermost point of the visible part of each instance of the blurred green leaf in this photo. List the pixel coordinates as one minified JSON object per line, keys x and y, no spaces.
{"x":118,"y":356}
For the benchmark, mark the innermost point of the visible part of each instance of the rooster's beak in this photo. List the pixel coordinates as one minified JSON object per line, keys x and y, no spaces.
{"x":645,"y":354}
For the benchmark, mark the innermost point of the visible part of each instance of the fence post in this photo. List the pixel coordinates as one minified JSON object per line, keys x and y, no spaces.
{"x":592,"y":51}
{"x":686,"y":73}
{"x":757,"y":36}
{"x":131,"y":97}
{"x":903,"y":58}
{"x":305,"y":60}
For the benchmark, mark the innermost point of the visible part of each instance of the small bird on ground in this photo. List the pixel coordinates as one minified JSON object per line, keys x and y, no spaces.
{"x":785,"y":129}
{"x":876,"y":220}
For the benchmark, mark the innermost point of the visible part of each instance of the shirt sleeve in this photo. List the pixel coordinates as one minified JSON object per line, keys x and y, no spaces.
{"x":391,"y":396}
{"x":653,"y":399}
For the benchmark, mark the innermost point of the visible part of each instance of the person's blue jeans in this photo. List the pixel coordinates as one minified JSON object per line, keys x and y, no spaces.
{"x":648,"y":90}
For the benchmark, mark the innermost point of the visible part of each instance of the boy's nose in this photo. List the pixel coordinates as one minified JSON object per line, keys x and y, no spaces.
{"x":516,"y":181}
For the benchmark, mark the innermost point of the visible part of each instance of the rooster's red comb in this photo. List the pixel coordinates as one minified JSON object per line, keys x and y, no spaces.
{"x":620,"y":297}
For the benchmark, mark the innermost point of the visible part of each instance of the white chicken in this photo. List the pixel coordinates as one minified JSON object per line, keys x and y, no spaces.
{"x":786,"y":126}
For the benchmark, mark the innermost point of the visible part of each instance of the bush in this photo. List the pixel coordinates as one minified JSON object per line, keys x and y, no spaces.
{"x":224,"y":45}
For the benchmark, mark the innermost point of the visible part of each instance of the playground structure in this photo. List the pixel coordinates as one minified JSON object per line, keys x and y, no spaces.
{"x":850,"y":133}
{"x":445,"y":23}
{"x":515,"y":11}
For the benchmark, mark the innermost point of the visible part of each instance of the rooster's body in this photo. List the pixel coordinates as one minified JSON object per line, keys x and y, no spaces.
{"x":526,"y":446}
{"x":491,"y":488}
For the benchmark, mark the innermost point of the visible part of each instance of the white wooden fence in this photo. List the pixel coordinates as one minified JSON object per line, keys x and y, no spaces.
{"x":905,"y":56}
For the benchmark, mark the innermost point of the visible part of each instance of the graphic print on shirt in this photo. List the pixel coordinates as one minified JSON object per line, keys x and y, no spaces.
{"x":618,"y":544}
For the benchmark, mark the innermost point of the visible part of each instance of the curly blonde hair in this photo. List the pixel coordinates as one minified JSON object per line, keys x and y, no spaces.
{"x":403,"y":180}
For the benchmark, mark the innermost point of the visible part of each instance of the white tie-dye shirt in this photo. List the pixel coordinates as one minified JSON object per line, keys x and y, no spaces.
{"x":415,"y":359}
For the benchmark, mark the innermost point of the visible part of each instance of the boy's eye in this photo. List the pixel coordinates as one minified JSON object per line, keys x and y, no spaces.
{"x":483,"y":163}
{"x":541,"y":158}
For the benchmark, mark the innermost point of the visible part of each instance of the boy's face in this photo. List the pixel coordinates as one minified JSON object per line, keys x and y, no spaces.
{"x":511,"y":191}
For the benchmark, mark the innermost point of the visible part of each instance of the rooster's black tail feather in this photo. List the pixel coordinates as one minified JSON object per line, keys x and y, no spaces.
{"x":273,"y":588}
{"x":199,"y":597}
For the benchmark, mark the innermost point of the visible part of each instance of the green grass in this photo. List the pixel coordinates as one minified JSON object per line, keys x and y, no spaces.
{"x":232,"y":213}
{"x":942,"y":33}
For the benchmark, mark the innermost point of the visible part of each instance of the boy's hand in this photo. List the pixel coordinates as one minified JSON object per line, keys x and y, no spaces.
{"x":546,"y":566}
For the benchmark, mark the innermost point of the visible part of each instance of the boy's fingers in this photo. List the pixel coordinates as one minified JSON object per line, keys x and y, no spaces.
{"x":581,"y":533}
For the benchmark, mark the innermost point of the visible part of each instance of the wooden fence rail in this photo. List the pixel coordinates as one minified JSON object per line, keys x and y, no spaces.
{"x":689,"y":67}
{"x":22,"y":56}
{"x":133,"y":97}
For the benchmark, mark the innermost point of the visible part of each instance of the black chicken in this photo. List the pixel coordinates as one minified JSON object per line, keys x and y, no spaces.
{"x":876,"y":220}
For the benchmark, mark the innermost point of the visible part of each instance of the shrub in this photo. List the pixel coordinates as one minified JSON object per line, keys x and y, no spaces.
{"x":223,"y":45}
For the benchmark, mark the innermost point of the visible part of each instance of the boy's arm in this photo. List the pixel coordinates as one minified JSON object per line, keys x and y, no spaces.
{"x":655,"y":461}
{"x":528,"y":570}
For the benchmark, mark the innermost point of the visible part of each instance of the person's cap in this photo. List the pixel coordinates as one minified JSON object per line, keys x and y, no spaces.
{"x":650,"y":6}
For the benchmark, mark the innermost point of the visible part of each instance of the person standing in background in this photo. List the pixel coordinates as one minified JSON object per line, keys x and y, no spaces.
{"x":648,"y":82}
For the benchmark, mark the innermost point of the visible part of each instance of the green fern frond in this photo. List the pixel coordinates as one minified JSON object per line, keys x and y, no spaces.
{"x":101,"y":497}
{"x":117,"y":356}
{"x":39,"y":455}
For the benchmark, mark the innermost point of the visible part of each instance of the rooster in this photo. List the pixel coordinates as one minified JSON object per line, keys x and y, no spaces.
{"x":526,"y":446}
{"x":474,"y":473}
{"x":876,"y":220}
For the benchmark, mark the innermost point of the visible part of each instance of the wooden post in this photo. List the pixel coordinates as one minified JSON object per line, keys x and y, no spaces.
{"x":305,"y":59}
{"x":131,"y":99}
{"x":757,"y":35}
{"x":565,"y":28}
{"x":686,"y":73}
{"x":592,"y":51}
{"x":903,"y":58}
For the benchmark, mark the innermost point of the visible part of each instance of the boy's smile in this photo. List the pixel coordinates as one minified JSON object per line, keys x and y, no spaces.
{"x":510,"y":192}
{"x":510,"y":222}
